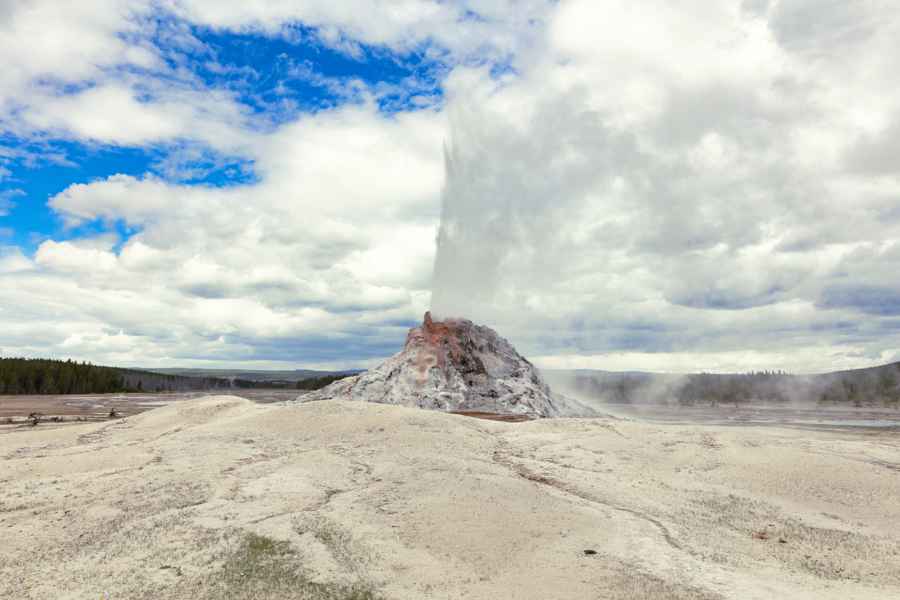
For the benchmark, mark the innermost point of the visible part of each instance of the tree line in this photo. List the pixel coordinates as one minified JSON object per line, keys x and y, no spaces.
{"x":48,"y":376}
{"x":43,"y":376}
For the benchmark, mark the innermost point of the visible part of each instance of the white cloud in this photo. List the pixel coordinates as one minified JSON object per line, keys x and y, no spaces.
{"x":124,"y":197}
{"x":112,"y":114}
{"x":73,"y":259}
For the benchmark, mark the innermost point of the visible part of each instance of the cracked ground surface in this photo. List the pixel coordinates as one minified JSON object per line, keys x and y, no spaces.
{"x":404,"y":503}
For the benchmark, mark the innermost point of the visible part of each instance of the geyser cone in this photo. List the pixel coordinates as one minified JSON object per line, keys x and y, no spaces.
{"x":451,"y":365}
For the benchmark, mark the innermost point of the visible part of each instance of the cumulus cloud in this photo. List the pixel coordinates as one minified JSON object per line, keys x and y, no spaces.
{"x":112,"y":113}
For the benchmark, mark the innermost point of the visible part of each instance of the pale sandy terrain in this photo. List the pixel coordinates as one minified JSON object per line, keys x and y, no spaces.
{"x":69,"y":408}
{"x":223,"y":498}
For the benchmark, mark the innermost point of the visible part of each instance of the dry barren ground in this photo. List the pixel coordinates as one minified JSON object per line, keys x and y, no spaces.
{"x":75,"y":408}
{"x":220,"y":498}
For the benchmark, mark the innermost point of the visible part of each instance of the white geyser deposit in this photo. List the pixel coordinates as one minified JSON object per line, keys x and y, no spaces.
{"x":455,"y":366}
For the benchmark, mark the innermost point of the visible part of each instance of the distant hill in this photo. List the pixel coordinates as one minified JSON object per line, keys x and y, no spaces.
{"x":875,"y":386}
{"x":253,"y":375}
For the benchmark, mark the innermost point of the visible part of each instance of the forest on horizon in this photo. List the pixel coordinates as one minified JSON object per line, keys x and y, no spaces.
{"x":51,"y":376}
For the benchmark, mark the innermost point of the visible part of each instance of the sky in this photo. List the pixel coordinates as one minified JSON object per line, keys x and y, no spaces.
{"x":620,"y":185}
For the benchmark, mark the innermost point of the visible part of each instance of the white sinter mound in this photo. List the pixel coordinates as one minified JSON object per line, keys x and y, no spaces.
{"x":455,"y":366}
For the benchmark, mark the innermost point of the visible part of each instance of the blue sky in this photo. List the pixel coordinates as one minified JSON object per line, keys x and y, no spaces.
{"x":614,"y":185}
